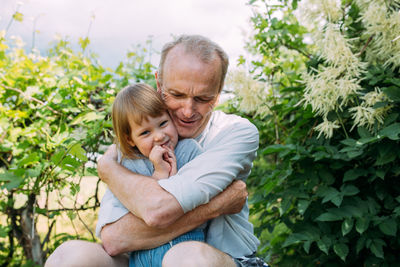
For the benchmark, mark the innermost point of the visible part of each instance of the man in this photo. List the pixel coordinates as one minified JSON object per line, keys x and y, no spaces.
{"x":190,"y":79}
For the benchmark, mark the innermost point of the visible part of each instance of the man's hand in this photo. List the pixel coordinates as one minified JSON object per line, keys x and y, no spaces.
{"x":232,"y":199}
{"x":110,"y":156}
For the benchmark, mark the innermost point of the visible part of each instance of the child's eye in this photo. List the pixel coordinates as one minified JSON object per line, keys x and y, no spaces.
{"x":144,"y":133}
{"x":163,"y":123}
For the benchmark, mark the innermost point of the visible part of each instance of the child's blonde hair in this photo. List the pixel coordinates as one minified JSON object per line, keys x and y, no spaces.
{"x":135,"y":102}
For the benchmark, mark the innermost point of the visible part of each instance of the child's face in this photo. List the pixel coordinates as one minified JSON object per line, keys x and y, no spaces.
{"x":153,"y":131}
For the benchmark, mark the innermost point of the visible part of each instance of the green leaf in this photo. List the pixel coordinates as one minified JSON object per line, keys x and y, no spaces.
{"x":392,"y":92}
{"x":77,"y":151}
{"x":349,"y":142}
{"x":329,"y":217}
{"x":4,"y":231}
{"x":18,"y":16}
{"x":12,"y":180}
{"x":363,"y":132}
{"x":303,"y":205}
{"x":392,"y":131}
{"x":394,"y":81}
{"x":307,"y":246}
{"x":91,"y":116}
{"x":29,"y":160}
{"x":353,"y":174}
{"x":294,"y":239}
{"x":360,"y":244}
{"x":342,"y":250}
{"x":56,"y":157}
{"x":84,"y":42}
{"x":389,"y":227}
{"x":347,"y":225}
{"x":277,"y":148}
{"x":384,"y":158}
{"x":362,"y":224}
{"x":381,"y":173}
{"x":324,"y":244}
{"x":331,"y":194}
{"x":376,"y":247}
{"x":70,"y":164}
{"x":71,"y":214}
{"x":355,"y":153}
{"x":349,"y":190}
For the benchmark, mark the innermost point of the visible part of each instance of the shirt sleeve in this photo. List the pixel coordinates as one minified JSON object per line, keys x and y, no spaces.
{"x":186,"y":150}
{"x":227,"y":157}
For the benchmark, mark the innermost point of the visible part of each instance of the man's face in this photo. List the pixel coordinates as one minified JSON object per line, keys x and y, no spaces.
{"x":190,"y":91}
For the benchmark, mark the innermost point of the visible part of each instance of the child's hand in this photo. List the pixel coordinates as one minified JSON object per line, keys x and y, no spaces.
{"x":171,"y":159}
{"x":164,"y":161}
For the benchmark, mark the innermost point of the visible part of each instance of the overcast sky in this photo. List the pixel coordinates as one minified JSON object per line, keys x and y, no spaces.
{"x":118,"y":24}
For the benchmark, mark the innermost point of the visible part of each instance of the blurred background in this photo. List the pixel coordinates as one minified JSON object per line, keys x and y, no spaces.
{"x":114,"y":26}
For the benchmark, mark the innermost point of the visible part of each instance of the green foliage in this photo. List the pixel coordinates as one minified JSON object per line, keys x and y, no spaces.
{"x":54,"y":120}
{"x":317,"y":201}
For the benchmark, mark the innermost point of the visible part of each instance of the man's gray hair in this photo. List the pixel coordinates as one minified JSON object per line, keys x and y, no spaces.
{"x":201,"y":47}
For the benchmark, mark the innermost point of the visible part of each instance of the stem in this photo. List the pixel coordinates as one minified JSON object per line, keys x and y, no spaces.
{"x":366,"y":44}
{"x":11,"y":21}
{"x":34,"y":33}
{"x":5,"y":162}
{"x":298,"y":50}
{"x":30,"y":97}
{"x":341,"y":123}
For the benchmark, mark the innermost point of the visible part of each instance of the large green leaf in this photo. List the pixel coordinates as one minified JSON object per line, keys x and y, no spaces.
{"x":347,"y":225}
{"x":376,"y":248}
{"x":392,"y":92}
{"x":324,"y":244}
{"x":389,"y":227}
{"x":353,"y":174}
{"x":392,"y":131}
{"x":77,"y":151}
{"x":329,"y":217}
{"x":342,"y":250}
{"x":362,"y":224}
{"x":11,"y":180}
{"x":349,"y":190}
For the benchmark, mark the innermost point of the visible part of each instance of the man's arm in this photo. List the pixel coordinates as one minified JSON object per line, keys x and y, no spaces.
{"x":131,"y":233}
{"x":140,"y":194}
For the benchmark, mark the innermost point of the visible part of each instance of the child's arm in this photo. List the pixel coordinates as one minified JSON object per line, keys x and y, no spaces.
{"x":164,"y":162}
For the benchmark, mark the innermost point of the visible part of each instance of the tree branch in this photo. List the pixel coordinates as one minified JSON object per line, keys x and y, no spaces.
{"x":30,"y":97}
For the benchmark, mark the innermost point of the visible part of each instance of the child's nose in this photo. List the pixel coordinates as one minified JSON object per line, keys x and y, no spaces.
{"x":159,"y":136}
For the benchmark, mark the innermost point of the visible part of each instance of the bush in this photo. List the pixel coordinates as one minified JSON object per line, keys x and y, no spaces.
{"x":54,"y":120}
{"x":325,"y":183}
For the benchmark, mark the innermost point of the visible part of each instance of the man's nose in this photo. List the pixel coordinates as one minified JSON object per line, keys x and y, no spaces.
{"x":188,"y":108}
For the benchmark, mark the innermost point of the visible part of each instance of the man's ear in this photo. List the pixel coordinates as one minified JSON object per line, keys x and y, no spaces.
{"x":158,"y":83}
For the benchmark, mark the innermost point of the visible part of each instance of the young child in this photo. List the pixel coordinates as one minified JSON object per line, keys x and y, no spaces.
{"x":148,"y":144}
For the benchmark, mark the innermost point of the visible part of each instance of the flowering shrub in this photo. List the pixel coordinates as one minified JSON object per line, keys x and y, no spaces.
{"x":325,"y":185}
